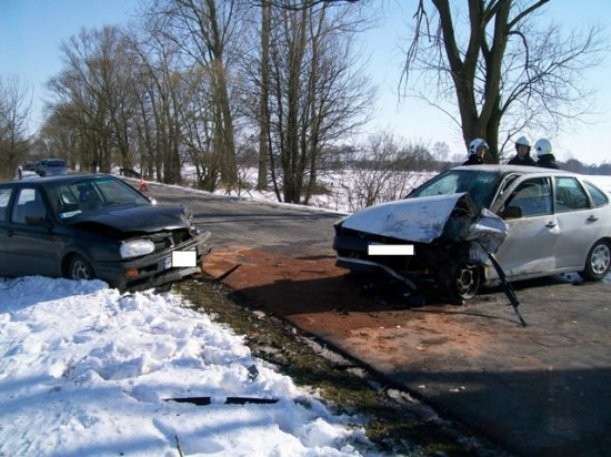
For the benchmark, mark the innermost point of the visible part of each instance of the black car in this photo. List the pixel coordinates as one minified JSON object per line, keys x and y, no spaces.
{"x":95,"y":226}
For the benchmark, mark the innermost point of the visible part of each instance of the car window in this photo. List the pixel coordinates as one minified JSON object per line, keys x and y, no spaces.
{"x":119,"y":193}
{"x":598,"y":196}
{"x":75,"y":197}
{"x":5,"y":196}
{"x":569,"y":195}
{"x":533,"y":197}
{"x":481,"y":185}
{"x":26,"y":198}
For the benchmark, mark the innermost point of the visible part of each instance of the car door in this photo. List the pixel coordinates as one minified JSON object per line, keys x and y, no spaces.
{"x":5,"y":198}
{"x":529,"y":249}
{"x":30,"y":248}
{"x":579,"y":222}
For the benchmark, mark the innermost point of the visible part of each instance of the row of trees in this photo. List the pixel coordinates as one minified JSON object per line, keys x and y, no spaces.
{"x":197,"y":81}
{"x":14,"y":113}
{"x":211,"y":82}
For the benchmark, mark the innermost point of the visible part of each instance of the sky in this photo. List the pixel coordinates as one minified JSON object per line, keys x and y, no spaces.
{"x":31,"y":32}
{"x":86,"y":371}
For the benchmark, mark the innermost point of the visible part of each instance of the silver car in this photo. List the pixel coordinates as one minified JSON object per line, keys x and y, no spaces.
{"x":51,"y":167}
{"x":535,"y":221}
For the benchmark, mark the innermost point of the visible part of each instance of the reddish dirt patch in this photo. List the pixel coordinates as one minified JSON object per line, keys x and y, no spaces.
{"x":320,"y":298}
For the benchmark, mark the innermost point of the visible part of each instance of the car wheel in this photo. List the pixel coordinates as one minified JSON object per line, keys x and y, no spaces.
{"x":79,"y":268}
{"x":461,"y":280}
{"x":598,"y":261}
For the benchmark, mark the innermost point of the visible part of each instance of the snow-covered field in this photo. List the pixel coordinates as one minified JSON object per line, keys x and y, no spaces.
{"x":85,"y":371}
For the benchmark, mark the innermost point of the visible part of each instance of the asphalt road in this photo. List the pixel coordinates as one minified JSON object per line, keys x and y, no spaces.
{"x":538,"y":390}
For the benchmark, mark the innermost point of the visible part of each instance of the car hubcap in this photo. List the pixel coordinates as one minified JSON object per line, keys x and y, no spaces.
{"x":80,"y":270}
{"x":600,"y":259}
{"x":467,"y":281}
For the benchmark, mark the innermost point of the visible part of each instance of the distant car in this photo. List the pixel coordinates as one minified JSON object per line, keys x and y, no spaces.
{"x":539,"y":221}
{"x":50,"y":167}
{"x":95,"y":226}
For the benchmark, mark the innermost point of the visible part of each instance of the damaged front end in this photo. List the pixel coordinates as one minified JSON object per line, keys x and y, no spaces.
{"x":142,"y":247}
{"x":451,"y":242}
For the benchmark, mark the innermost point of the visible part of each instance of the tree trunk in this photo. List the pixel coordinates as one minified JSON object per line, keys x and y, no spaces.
{"x":264,"y":120}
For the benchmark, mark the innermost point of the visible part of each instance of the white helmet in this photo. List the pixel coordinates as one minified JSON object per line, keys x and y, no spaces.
{"x":543,"y":146}
{"x":523,"y":141}
{"x":475,"y":144}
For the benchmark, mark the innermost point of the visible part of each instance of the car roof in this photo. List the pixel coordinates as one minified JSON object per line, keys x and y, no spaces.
{"x":63,"y":178}
{"x":523,"y":169}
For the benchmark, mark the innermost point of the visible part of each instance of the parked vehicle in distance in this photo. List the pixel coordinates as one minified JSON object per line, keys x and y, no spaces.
{"x":50,"y":167}
{"x":95,"y":226}
{"x":554,"y":221}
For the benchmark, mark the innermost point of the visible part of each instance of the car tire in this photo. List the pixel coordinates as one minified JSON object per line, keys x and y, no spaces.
{"x":597,"y":261}
{"x":79,"y":268}
{"x":461,"y":281}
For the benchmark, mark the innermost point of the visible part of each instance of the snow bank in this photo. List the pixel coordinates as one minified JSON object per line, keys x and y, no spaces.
{"x":86,"y":371}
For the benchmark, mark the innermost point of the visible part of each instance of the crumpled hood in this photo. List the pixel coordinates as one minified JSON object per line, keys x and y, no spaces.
{"x":145,"y":219}
{"x":424,"y":219}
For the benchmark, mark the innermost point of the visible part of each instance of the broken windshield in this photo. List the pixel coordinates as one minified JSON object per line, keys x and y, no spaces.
{"x":480,"y":185}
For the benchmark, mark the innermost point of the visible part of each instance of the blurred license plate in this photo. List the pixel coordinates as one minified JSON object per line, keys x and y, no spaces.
{"x":184,"y":259}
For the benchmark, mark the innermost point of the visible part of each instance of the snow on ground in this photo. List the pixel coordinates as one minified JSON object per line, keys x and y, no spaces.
{"x":86,"y":371}
{"x":344,"y":187}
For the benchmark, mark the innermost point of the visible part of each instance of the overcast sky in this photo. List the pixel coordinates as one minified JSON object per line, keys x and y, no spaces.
{"x":31,"y":32}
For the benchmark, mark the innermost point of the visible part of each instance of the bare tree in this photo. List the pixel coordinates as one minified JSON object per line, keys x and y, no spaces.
{"x":384,"y":170}
{"x":163,"y":91}
{"x":316,"y":94}
{"x":58,"y":138}
{"x":205,"y":30}
{"x":504,"y":71}
{"x":264,"y":114}
{"x":15,"y":103}
{"x":94,"y":94}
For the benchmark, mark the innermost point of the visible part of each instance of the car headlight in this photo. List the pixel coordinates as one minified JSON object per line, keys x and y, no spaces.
{"x":136,"y":248}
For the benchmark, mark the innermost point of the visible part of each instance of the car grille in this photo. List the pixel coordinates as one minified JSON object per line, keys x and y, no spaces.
{"x":164,"y":240}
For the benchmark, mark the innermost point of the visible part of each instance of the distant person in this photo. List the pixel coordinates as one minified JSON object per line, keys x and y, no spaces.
{"x":20,"y":172}
{"x":544,"y":154}
{"x":522,"y":156}
{"x":94,"y":166}
{"x":477,"y":150}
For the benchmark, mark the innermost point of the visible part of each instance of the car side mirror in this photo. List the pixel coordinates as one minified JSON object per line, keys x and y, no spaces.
{"x":512,"y":212}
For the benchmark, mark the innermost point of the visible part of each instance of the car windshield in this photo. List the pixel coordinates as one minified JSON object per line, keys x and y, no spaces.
{"x":481,"y":185}
{"x":77,"y":197}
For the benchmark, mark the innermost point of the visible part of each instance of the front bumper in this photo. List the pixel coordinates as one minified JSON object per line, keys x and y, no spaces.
{"x":153,"y":270}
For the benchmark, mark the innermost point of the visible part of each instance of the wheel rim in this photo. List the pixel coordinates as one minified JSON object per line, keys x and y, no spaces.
{"x":600,"y":259}
{"x":80,"y":270}
{"x":467,"y":281}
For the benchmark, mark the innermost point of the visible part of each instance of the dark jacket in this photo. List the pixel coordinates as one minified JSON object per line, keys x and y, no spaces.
{"x":547,"y":161}
{"x":526,"y":160}
{"x":474,"y":159}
